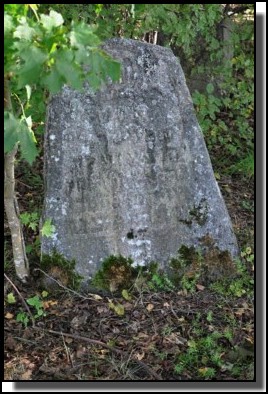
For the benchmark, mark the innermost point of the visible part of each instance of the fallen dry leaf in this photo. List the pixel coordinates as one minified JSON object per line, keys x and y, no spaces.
{"x":200,"y":287}
{"x":150,"y":307}
{"x":10,"y":343}
{"x":140,"y":356}
{"x":48,"y":304}
{"x":95,"y":296}
{"x":9,"y":315}
{"x":26,"y":375}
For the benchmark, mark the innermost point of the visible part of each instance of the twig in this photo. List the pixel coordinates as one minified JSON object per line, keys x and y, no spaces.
{"x":113,"y":349}
{"x":94,"y":296}
{"x":22,"y":299}
{"x":24,"y":184}
{"x":67,"y":351}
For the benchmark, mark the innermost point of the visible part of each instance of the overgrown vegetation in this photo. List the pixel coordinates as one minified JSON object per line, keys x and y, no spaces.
{"x":192,"y":323}
{"x":116,"y":273}
{"x":215,"y":44}
{"x":61,"y":269}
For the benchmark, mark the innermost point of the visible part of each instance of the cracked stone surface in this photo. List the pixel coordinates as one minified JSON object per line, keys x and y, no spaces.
{"x":126,"y":168}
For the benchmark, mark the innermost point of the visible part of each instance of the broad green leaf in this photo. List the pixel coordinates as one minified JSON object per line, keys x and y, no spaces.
{"x":35,"y":301}
{"x":29,"y":71}
{"x":18,"y":131}
{"x":53,"y":81}
{"x":94,"y":81}
{"x":48,"y":229}
{"x":114,"y":70}
{"x":24,"y":31}
{"x":8,"y":23}
{"x":54,"y":19}
{"x":11,"y":135}
{"x":27,"y":144}
{"x":82,"y":34}
{"x":11,"y":299}
{"x":67,"y":68}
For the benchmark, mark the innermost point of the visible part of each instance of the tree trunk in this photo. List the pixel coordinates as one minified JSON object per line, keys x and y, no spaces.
{"x":11,"y":205}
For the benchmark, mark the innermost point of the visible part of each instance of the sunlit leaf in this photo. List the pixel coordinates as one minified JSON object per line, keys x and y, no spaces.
{"x":9,"y":315}
{"x":126,"y":295}
{"x":54,"y":19}
{"x":48,"y":229}
{"x":11,"y":299}
{"x":150,"y":307}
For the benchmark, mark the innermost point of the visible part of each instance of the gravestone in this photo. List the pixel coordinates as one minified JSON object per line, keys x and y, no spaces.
{"x":126,"y":168}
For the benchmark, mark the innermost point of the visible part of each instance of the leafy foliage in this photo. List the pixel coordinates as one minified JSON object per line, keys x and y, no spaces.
{"x":19,"y":131}
{"x":30,"y":219}
{"x":224,"y":69}
{"x":41,"y":53}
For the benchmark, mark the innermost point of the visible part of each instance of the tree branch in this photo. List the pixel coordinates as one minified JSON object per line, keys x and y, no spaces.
{"x":113,"y":349}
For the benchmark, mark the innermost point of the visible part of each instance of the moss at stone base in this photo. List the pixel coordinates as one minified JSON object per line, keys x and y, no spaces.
{"x":61,"y":269}
{"x":206,"y":264}
{"x":116,"y":273}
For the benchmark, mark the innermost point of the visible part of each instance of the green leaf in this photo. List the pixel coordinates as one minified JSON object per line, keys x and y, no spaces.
{"x":48,"y":229}
{"x":82,"y":35}
{"x":35,"y":301}
{"x":126,"y":295}
{"x":53,"y":81}
{"x":22,"y":317}
{"x":119,"y":309}
{"x":217,"y":175}
{"x":40,"y":312}
{"x":25,"y":218}
{"x":29,"y":71}
{"x":18,"y":131}
{"x":11,"y":126}
{"x":44,"y":293}
{"x":94,"y":81}
{"x":68,"y":70}
{"x":54,"y":19}
{"x":33,"y":225}
{"x":8,"y":24}
{"x":24,"y":31}
{"x":11,"y":299}
{"x":114,"y":70}
{"x":27,"y":144}
{"x":210,"y":88}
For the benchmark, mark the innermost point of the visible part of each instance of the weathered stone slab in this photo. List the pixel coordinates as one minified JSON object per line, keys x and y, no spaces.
{"x":126,"y":168}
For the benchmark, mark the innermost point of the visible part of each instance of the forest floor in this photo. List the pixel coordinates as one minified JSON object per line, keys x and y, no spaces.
{"x":203,"y":334}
